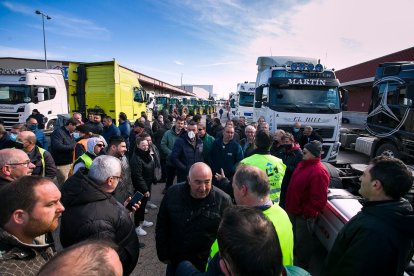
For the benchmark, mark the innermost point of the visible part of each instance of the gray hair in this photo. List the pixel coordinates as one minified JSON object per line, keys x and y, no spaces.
{"x":249,"y":127}
{"x":309,"y":127}
{"x":103,"y":167}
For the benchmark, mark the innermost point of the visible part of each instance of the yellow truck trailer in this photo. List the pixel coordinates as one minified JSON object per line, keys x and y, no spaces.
{"x":106,"y":88}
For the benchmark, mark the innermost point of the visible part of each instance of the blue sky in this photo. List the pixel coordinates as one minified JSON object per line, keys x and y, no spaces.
{"x":208,"y":41}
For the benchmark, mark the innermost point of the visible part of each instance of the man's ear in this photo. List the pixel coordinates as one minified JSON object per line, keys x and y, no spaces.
{"x":377,"y":185}
{"x":19,"y":217}
{"x":223,"y":268}
{"x":6,"y":170}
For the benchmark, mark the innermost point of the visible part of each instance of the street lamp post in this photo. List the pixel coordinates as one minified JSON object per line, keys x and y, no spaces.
{"x":44,"y":36}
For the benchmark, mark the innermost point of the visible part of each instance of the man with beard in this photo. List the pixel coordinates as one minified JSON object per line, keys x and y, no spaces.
{"x":117,"y":148}
{"x":29,"y":207}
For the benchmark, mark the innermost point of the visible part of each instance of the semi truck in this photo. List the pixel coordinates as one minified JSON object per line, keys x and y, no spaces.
{"x":106,"y":88}
{"x":245,"y":98}
{"x":290,"y":89}
{"x":389,"y":127}
{"x":23,"y":90}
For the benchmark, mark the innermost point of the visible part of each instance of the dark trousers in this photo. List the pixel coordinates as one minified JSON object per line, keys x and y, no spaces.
{"x":139,"y":215}
{"x":303,"y":234}
{"x":171,"y":172}
{"x":163,"y":169}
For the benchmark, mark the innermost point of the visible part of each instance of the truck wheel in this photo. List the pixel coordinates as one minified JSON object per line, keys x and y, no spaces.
{"x":335,"y":180}
{"x":388,"y":150}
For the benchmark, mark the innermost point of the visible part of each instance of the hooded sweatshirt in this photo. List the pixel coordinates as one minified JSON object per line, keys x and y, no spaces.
{"x":379,"y":240}
{"x":88,"y":155}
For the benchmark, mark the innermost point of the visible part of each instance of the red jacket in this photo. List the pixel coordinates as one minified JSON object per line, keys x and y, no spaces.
{"x":308,"y":189}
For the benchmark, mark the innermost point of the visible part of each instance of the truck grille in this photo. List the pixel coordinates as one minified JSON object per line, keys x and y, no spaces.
{"x":9,"y":119}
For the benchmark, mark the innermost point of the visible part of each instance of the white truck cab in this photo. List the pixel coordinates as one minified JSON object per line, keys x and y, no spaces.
{"x":23,"y":90}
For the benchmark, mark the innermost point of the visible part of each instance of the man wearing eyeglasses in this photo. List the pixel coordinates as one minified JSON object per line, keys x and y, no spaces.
{"x":92,"y":212}
{"x":306,"y":197}
{"x":14,"y":163}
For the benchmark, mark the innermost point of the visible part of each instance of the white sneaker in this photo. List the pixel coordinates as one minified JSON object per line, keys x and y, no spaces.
{"x":146,"y":211}
{"x":147,"y":223}
{"x":140,"y":231}
{"x":152,"y":205}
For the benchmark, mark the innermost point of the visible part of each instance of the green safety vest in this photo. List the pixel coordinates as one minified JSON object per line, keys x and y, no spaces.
{"x":273,"y":167}
{"x":284,"y":231}
{"x":42,"y":155}
{"x":86,"y":159}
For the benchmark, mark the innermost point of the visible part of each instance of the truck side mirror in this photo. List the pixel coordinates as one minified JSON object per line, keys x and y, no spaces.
{"x":40,"y":94}
{"x":258,"y":96}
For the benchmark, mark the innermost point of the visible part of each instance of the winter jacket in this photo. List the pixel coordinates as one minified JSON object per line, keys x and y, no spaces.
{"x":208,"y":141}
{"x":308,"y":189}
{"x":168,"y":141}
{"x":90,"y":213}
{"x":225,"y":156}
{"x":62,"y":146}
{"x":187,"y":227}
{"x":142,"y":170}
{"x":5,"y":142}
{"x":248,"y":148}
{"x":158,"y":137}
{"x":379,"y":240}
{"x":41,"y":139}
{"x":110,"y":131}
{"x":291,"y":159}
{"x":125,"y":129}
{"x":43,"y":160}
{"x":18,"y":258}
{"x":125,"y":187}
{"x":184,"y":154}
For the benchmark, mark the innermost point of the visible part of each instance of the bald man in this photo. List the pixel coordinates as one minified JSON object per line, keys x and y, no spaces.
{"x":41,"y":158}
{"x":188,"y":219}
{"x":14,"y":163}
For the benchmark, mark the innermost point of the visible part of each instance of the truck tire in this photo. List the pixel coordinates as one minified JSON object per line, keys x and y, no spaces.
{"x":334,"y":178}
{"x":388,"y":150}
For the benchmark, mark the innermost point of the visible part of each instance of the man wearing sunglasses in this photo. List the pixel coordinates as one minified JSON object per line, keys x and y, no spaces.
{"x":94,"y":147}
{"x":14,"y":163}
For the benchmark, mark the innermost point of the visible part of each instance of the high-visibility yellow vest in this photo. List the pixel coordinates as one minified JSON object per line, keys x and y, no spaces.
{"x":273,"y":167}
{"x":42,"y":155}
{"x":284,"y":231}
{"x":86,"y":159}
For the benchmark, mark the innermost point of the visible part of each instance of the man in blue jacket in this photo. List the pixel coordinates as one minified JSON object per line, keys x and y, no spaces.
{"x":225,"y":154}
{"x":109,"y":129}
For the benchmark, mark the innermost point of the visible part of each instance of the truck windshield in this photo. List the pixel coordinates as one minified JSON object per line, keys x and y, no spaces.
{"x":246,"y":99}
{"x":304,"y":99}
{"x":162,"y":100}
{"x":193,"y":102}
{"x":14,"y":94}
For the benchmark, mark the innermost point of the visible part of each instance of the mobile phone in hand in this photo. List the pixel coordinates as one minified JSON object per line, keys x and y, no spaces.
{"x":137,"y":197}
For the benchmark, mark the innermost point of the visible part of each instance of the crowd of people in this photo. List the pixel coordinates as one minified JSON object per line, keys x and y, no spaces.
{"x":245,"y":200}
